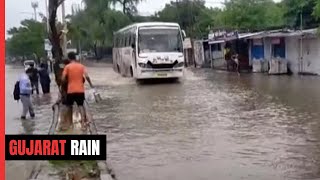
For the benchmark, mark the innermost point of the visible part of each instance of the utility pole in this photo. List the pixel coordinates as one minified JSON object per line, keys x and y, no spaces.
{"x":301,"y":43}
{"x":64,"y":32}
{"x":35,"y":5}
{"x":47,"y":14}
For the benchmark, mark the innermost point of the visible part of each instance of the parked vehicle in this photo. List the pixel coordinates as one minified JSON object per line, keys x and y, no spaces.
{"x":27,"y":64}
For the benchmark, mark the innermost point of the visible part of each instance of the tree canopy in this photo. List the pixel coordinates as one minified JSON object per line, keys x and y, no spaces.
{"x":93,"y":26}
{"x":26,"y":40}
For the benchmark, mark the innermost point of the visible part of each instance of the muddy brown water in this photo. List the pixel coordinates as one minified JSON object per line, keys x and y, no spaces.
{"x":19,"y":170}
{"x":211,"y":125}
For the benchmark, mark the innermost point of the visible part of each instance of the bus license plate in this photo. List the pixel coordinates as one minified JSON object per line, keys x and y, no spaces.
{"x":161,"y":74}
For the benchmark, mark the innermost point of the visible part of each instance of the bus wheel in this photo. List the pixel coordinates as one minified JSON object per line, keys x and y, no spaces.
{"x":131,"y":71}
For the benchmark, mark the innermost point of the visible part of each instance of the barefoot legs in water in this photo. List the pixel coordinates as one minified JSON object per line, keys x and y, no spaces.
{"x":84,"y":120}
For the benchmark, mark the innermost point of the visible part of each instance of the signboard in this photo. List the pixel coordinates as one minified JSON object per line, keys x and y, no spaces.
{"x":257,"y":42}
{"x":219,"y":35}
{"x":71,"y":50}
{"x":47,"y":45}
{"x":275,"y":41}
{"x":187,"y":43}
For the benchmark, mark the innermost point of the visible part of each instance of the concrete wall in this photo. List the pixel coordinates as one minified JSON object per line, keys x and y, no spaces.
{"x":218,"y":58}
{"x":310,"y":53}
{"x":267,"y":49}
{"x":293,"y":53}
{"x":198,"y":52}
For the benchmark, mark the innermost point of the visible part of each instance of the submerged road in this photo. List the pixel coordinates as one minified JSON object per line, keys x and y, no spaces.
{"x":211,"y":125}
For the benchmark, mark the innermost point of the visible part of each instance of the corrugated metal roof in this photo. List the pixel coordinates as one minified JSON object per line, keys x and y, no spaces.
{"x":216,"y":42}
{"x":262,"y":34}
{"x":249,"y":35}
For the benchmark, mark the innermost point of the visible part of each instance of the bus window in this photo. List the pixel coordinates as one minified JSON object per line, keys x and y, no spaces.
{"x":133,"y":41}
{"x":128,"y":40}
{"x":160,"y":40}
{"x":122,"y":39}
{"x":114,"y":41}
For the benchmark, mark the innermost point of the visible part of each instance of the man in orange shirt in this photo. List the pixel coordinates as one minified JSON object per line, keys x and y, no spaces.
{"x":74,"y":73}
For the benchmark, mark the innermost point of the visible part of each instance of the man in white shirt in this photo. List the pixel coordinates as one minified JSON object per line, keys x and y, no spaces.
{"x":25,"y":95}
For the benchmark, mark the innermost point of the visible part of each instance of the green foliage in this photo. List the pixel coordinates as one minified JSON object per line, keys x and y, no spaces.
{"x":316,"y":10}
{"x":94,"y":26}
{"x":251,"y":14}
{"x":197,"y":19}
{"x":308,"y":8}
{"x":27,"y":39}
{"x":188,"y":13}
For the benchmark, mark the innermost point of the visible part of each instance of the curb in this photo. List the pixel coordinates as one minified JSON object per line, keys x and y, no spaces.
{"x":106,"y":173}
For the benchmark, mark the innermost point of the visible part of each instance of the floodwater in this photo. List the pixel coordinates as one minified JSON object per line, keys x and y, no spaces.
{"x":19,"y":170}
{"x":211,"y":125}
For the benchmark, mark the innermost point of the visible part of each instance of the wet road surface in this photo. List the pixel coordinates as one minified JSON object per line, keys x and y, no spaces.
{"x":211,"y":125}
{"x":19,"y":170}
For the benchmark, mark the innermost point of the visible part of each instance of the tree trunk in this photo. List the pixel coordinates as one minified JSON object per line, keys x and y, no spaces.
{"x":55,"y":40}
{"x":124,"y":6}
{"x":95,"y":50}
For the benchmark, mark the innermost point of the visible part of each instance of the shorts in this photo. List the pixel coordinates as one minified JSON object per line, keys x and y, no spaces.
{"x":77,"y":98}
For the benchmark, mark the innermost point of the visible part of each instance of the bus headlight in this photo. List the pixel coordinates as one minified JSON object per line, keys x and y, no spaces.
{"x":180,"y":64}
{"x":143,"y":65}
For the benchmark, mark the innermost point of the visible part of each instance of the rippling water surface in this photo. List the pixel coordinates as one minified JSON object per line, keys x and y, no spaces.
{"x":19,"y":170}
{"x":211,"y":125}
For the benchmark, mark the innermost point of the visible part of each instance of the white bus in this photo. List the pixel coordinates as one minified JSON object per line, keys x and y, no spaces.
{"x":149,"y":50}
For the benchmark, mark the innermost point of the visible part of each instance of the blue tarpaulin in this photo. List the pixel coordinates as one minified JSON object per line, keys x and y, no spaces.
{"x":257,"y":52}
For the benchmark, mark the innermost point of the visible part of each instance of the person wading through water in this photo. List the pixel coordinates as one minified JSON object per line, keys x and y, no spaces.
{"x":34,"y":78}
{"x":24,"y":91}
{"x":44,"y":79}
{"x":235,"y":59}
{"x":73,"y":74}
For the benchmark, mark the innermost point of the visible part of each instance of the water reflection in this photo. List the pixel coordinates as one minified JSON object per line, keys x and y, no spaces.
{"x":213,"y":124}
{"x":28,"y":126}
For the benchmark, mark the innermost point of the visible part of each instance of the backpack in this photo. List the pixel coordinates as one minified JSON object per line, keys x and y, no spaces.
{"x":16,"y":91}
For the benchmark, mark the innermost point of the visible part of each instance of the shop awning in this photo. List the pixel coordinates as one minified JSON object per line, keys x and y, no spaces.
{"x":249,"y":35}
{"x":216,"y":42}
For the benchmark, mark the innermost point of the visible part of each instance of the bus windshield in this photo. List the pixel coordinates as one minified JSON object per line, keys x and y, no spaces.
{"x":159,"y":40}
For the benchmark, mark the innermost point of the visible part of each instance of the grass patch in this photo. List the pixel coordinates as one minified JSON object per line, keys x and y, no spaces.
{"x":83,"y":169}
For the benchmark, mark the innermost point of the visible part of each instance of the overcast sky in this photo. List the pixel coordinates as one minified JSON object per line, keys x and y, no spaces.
{"x":17,"y":10}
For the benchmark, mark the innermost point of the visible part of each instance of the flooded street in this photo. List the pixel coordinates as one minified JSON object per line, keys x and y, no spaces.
{"x":14,"y":125}
{"x":211,"y":125}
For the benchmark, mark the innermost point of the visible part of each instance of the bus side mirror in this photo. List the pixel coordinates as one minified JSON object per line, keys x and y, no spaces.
{"x":133,"y":45}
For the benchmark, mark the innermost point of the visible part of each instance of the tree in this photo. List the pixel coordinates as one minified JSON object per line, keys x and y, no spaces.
{"x":26,"y":40}
{"x":294,"y":8}
{"x":129,"y":7}
{"x":252,"y":14}
{"x":96,"y":24}
{"x":186,"y":13}
{"x":54,"y":37}
{"x":316,"y":10}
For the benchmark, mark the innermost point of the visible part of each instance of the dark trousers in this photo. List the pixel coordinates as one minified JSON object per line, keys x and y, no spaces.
{"x":45,"y":87}
{"x":35,"y":86}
